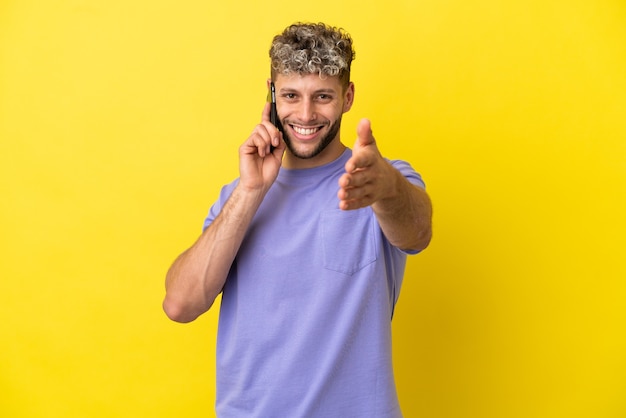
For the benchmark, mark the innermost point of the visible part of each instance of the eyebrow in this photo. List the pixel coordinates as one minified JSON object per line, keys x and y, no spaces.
{"x":292,"y":90}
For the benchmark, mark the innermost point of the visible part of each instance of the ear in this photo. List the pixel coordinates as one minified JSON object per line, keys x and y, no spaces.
{"x":269,"y":82}
{"x":348,"y":97}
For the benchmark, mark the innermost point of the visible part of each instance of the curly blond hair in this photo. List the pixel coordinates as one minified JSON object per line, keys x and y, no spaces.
{"x":312,"y":48}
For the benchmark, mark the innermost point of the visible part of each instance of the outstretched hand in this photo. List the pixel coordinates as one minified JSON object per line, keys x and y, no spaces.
{"x":258,"y":162}
{"x":367,"y":177}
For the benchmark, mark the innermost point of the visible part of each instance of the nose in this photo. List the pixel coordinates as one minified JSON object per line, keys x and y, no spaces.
{"x":306,"y":112}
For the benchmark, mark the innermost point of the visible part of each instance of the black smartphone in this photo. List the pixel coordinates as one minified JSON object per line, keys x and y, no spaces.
{"x":273,"y":113}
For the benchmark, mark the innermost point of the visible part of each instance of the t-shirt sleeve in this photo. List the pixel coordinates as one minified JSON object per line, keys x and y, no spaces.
{"x":216,"y":208}
{"x":408,"y":172}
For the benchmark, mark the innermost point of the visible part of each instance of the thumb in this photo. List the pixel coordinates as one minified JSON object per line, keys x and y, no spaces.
{"x":364,"y":134}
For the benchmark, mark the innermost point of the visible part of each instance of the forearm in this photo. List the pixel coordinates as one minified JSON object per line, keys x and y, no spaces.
{"x":405,"y":214}
{"x":198,"y":275}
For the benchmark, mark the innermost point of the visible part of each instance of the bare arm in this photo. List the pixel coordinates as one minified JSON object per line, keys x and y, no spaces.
{"x":198,"y":275}
{"x":403,"y":210}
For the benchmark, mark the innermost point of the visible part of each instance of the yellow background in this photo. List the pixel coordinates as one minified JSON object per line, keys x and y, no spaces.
{"x":120,"y":120}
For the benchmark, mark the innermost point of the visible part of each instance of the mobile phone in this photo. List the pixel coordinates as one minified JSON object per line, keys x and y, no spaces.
{"x":273,"y":112}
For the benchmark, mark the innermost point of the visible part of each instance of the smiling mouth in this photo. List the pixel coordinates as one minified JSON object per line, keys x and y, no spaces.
{"x":305,"y":131}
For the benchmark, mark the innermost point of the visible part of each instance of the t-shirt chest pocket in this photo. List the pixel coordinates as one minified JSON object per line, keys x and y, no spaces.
{"x":348,"y":239}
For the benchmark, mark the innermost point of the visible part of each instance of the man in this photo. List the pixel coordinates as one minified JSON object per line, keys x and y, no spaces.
{"x":308,"y":248}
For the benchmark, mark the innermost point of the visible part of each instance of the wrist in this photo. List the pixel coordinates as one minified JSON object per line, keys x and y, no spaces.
{"x":393,"y":183}
{"x":250,"y":193}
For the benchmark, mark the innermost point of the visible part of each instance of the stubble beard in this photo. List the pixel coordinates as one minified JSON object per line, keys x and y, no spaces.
{"x":321,"y":146}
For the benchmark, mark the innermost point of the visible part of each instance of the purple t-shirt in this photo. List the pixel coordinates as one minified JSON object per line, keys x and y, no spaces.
{"x":305,"y":316}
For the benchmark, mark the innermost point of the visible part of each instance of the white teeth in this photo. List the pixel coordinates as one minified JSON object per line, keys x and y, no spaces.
{"x":305,"y":131}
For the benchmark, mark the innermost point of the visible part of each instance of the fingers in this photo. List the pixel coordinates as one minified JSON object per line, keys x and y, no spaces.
{"x":358,"y":161}
{"x":355,"y":189}
{"x":264,"y":136}
{"x":360,"y":185}
{"x":355,"y":197}
{"x":260,"y":141}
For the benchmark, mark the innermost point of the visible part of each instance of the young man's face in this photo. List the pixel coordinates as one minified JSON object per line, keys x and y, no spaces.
{"x":310,"y":109}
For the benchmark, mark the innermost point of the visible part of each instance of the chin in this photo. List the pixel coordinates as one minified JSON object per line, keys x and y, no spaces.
{"x":313,"y":149}
{"x":305,"y":152}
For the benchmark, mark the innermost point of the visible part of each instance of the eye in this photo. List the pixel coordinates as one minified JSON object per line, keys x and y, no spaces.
{"x":289,"y":96}
{"x":323,"y":97}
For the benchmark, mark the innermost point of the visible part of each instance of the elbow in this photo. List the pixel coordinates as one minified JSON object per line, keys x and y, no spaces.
{"x":422,"y":226}
{"x":186,"y":304}
{"x":424,"y":239}
{"x":421,"y":240}
{"x":177,"y":311}
{"x":418,"y":244}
